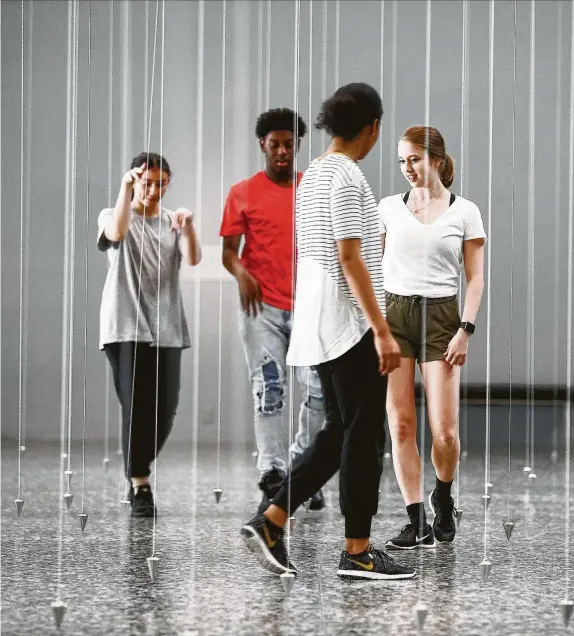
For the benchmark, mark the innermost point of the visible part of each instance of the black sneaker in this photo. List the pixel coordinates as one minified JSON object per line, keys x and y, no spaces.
{"x":372,"y":564}
{"x":317,"y":501}
{"x":409,"y":540}
{"x":444,"y":524}
{"x":142,"y":502}
{"x":270,"y":484}
{"x":267,"y":545}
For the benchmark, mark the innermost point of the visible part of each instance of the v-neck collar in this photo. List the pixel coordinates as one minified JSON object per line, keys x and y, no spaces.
{"x":432,"y":222}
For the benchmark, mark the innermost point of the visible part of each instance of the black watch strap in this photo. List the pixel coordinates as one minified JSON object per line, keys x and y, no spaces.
{"x":467,"y":326}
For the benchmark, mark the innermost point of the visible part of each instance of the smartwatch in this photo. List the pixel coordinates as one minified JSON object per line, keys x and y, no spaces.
{"x":467,"y":326}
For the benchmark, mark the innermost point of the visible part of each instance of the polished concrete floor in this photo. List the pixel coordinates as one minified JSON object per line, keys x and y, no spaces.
{"x":209,"y":584}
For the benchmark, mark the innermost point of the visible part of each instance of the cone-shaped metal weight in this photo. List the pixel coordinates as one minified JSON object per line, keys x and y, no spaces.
{"x":488,"y":489}
{"x":554,"y":456}
{"x":153,"y":565}
{"x":421,"y":611}
{"x":532,"y":476}
{"x":508,"y":528}
{"x":485,"y":566}
{"x":292,"y":523}
{"x":106,"y":463}
{"x":59,"y":609}
{"x":19,"y":505}
{"x":287,"y":581}
{"x":566,"y":609}
{"x":68,"y":498}
{"x":457,"y":516}
{"x":486,"y":501}
{"x":83,"y":517}
{"x":526,"y":469}
{"x":22,"y":449}
{"x":217,"y":492}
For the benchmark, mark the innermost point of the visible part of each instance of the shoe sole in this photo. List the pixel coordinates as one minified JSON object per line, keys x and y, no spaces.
{"x":145,"y":513}
{"x":434,"y":515}
{"x":258,"y":547}
{"x":410,"y":547}
{"x":374,"y":576}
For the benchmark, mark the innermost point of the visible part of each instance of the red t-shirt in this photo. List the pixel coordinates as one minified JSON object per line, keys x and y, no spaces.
{"x":264,"y":212}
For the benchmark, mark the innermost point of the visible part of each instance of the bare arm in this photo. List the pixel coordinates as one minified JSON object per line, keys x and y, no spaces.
{"x":360,"y":283}
{"x":118,"y":226}
{"x":249,"y":291}
{"x":473,"y":252}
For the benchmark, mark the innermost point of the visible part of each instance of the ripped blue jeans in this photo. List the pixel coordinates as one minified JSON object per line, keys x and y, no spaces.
{"x":265,"y":341}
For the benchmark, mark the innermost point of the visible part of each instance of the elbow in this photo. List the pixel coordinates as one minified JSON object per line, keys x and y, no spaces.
{"x":115,"y":236}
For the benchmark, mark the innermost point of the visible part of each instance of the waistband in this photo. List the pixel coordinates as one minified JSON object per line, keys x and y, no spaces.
{"x":419,"y":300}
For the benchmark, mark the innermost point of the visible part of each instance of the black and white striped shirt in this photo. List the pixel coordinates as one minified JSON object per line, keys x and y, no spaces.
{"x":334,"y":202}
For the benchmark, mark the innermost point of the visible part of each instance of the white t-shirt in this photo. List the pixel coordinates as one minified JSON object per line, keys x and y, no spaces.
{"x":426,"y":259}
{"x":334,"y":202}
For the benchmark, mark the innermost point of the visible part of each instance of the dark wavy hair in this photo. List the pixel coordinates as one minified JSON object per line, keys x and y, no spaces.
{"x":349,"y":110}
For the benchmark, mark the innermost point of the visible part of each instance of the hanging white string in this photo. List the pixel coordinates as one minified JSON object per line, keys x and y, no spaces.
{"x":72,"y":245}
{"x":381,"y":92}
{"x":310,"y":111}
{"x":512,"y":225}
{"x":337,"y":40}
{"x":296,"y":61}
{"x":393,"y":94}
{"x":530,"y":356}
{"x":260,"y":100}
{"x":110,"y":153}
{"x":569,"y":321}
{"x":324,"y":64}
{"x":196,"y":277}
{"x":557,"y":169}
{"x":148,"y":141}
{"x":154,"y":530}
{"x":87,"y":229}
{"x":489,"y":268}
{"x":268,"y":57}
{"x":462,"y":171}
{"x":65,"y":303}
{"x":27,"y":212}
{"x":146,"y":65}
{"x":221,"y":206}
{"x":21,"y":338}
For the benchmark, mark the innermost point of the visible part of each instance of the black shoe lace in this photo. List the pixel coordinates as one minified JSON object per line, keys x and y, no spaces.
{"x":383,"y":556}
{"x":407,"y":528}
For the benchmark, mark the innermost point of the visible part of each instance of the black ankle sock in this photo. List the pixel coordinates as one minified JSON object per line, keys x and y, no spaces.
{"x":415,"y":512}
{"x":442,"y":490}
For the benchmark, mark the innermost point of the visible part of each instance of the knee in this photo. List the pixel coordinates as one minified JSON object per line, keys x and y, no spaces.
{"x":315,"y":402}
{"x":446,"y":440}
{"x":268,"y":389}
{"x":404,"y":429}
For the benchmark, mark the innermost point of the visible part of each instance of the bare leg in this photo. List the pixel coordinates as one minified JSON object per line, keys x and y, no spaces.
{"x":442,"y":384}
{"x":403,"y":428}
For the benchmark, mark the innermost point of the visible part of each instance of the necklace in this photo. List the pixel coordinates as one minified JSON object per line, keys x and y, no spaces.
{"x":424,"y":207}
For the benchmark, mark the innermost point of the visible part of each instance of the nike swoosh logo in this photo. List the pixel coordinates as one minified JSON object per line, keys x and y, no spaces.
{"x":270,"y":542}
{"x":365,"y":566}
{"x":422,"y":538}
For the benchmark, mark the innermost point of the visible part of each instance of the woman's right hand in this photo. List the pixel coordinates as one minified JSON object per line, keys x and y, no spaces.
{"x":388,"y":351}
{"x":133,"y":175}
{"x":249,"y":293}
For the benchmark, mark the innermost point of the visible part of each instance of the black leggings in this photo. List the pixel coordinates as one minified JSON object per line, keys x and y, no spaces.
{"x":351,"y":441}
{"x":139,"y":430}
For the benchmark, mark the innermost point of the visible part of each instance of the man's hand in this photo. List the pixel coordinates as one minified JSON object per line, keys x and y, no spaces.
{"x":249,"y":293}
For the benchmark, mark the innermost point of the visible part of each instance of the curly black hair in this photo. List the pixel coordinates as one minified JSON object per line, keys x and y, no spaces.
{"x":349,"y":110}
{"x":280,"y":119}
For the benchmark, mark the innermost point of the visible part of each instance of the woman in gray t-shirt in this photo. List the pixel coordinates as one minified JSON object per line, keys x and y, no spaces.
{"x":143,"y":328}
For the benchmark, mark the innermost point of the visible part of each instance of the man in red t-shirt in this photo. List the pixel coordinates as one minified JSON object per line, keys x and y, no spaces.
{"x":260,"y":210}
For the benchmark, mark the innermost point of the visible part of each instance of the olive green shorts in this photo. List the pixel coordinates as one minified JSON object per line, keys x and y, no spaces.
{"x":406,"y":318}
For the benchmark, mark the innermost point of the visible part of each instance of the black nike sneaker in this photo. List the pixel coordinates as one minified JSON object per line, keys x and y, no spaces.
{"x":372,"y":564}
{"x":142,"y":501}
{"x":444,"y":524}
{"x":270,"y":484}
{"x":317,"y":501}
{"x":408,"y":539}
{"x":265,"y":540}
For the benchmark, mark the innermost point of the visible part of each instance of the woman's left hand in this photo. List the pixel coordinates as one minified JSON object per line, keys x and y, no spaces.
{"x":457,"y":349}
{"x":182,"y":219}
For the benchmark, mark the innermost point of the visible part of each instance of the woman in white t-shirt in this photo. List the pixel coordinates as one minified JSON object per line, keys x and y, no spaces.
{"x":429,"y":235}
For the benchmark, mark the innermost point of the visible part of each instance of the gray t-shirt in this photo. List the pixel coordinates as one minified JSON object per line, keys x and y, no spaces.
{"x":120,"y":320}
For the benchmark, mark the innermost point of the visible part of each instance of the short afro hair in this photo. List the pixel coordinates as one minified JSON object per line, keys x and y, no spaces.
{"x":280,"y":119}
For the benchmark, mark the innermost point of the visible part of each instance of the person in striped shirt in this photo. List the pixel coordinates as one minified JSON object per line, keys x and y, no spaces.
{"x":339,"y":328}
